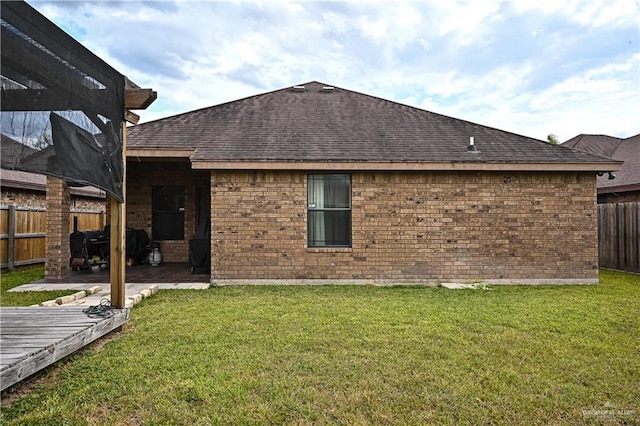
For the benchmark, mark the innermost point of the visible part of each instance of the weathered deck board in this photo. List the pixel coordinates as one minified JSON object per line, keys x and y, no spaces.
{"x":32,"y":338}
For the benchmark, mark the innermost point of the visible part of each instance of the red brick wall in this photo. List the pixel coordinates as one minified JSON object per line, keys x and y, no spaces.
{"x":38,"y":199}
{"x":88,"y":204}
{"x":23,"y":198}
{"x":411,"y":227}
{"x":141,"y":177}
{"x":57,"y":238}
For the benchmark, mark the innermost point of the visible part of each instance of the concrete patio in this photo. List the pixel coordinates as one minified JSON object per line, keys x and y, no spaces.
{"x":166,"y":276}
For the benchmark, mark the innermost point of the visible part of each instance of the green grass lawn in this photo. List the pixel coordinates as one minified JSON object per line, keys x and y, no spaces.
{"x":9,"y":280}
{"x":357,"y":355}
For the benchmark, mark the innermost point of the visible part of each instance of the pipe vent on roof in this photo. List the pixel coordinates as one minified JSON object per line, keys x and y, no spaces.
{"x":472,"y":146}
{"x":298,"y":88}
{"x":328,"y":89}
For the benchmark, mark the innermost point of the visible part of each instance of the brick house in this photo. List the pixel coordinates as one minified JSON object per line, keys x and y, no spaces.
{"x":318,"y":184}
{"x":626,"y":185}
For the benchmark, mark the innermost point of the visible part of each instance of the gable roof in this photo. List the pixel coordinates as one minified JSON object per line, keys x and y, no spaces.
{"x":627,"y":150}
{"x":337,"y":128}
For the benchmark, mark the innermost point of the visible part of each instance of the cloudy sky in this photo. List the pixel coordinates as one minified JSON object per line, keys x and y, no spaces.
{"x":530,"y":67}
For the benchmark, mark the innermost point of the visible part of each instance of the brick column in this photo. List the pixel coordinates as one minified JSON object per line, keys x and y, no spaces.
{"x":57,"y":239}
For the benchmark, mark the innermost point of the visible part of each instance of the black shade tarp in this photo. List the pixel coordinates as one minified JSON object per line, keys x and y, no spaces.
{"x":77,"y":155}
{"x":62,"y":107}
{"x":200,"y":249}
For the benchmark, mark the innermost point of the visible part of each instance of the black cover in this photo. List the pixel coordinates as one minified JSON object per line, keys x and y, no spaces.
{"x":62,"y":107}
{"x":137,"y":245}
{"x":97,"y":244}
{"x":79,"y":254}
{"x":200,"y":249}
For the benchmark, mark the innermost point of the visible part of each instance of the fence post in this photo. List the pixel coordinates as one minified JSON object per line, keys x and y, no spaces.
{"x":11,"y":241}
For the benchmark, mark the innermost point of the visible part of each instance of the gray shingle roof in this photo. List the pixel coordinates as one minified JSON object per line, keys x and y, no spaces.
{"x":11,"y":150}
{"x":627,"y":150}
{"x":339,"y":125}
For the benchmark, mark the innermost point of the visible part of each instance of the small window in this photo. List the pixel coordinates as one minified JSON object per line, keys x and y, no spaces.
{"x":168,"y":213}
{"x":329,"y":211}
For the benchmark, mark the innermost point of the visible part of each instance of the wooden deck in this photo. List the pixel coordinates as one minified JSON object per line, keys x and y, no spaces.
{"x":32,"y":338}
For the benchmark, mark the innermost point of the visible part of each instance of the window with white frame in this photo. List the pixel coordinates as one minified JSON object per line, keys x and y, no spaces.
{"x":329,"y":210}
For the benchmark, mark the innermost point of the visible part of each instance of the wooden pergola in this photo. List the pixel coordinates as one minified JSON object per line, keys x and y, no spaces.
{"x":44,"y":69}
{"x":135,"y":98}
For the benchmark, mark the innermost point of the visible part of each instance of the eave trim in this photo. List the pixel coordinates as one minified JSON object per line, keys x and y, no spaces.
{"x":408,"y":166}
{"x":620,"y":188}
{"x":158,"y":153}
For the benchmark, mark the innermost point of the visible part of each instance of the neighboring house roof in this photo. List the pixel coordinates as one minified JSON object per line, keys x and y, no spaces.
{"x":11,"y":150}
{"x":320,"y":127}
{"x":627,"y":150}
{"x":35,"y":182}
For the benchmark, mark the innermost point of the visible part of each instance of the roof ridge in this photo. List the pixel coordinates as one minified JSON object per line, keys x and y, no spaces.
{"x":231,"y":102}
{"x":442,"y":115}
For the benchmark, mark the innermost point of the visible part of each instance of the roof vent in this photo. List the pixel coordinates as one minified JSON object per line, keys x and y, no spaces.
{"x":298,"y":88}
{"x":472,"y":146}
{"x":328,"y":89}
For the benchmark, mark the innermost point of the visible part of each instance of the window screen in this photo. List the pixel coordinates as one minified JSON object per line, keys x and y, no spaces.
{"x":329,"y":210}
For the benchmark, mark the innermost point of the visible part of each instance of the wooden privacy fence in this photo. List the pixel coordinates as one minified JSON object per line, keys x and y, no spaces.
{"x":23,"y":231}
{"x":619,"y":236}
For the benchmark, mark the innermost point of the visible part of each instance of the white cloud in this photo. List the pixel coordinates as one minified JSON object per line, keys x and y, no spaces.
{"x":588,"y":13}
{"x":376,"y":29}
{"x":606,"y":83}
{"x":335,"y":23}
{"x":529,"y":67}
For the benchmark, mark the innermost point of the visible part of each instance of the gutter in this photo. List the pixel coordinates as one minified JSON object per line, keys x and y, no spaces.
{"x":604,"y":166}
{"x":160,"y":154}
